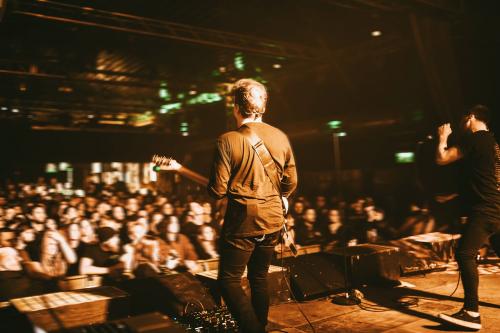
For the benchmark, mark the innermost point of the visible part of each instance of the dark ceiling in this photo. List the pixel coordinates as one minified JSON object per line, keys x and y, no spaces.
{"x":101,"y":65}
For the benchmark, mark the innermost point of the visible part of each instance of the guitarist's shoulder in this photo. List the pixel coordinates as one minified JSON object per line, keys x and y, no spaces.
{"x":229,"y":136}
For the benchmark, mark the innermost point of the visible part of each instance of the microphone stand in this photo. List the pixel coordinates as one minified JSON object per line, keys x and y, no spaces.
{"x":349,"y":297}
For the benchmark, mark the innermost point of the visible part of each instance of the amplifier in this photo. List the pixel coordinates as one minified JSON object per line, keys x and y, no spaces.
{"x":63,"y":310}
{"x":278,"y":290}
{"x":369,"y":263}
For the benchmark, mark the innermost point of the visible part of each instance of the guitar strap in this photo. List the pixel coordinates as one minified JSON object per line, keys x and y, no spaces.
{"x":271,"y":170}
{"x":264,"y":155}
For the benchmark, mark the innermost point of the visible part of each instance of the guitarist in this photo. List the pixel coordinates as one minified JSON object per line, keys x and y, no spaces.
{"x":254,"y":217}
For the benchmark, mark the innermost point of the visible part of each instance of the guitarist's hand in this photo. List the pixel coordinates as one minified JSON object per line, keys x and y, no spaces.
{"x":173,"y":165}
{"x":285,"y":204}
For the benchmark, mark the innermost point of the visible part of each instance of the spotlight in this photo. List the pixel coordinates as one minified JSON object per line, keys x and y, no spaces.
{"x":376,"y":33}
{"x":15,"y":110}
{"x":4,"y":108}
{"x":192,"y":92}
{"x":222,"y":69}
{"x":90,"y":116}
{"x":277,"y":66}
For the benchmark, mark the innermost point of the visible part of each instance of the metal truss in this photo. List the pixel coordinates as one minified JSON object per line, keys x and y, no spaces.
{"x":447,"y":6}
{"x":91,"y":17}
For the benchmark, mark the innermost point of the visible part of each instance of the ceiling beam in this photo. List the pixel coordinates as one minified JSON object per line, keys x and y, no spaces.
{"x":91,"y":17}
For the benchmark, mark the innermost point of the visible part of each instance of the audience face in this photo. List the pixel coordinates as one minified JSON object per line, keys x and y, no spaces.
{"x":9,"y":259}
{"x":168,"y":209}
{"x":86,"y":229}
{"x":334,"y":216}
{"x":28,"y":235}
{"x":103,"y":208}
{"x":132,"y":206}
{"x":71,"y":213}
{"x":173,"y":226}
{"x":119,"y":213}
{"x":207,"y":208}
{"x":50,"y":246}
{"x":74,"y":232}
{"x":320,"y":202}
{"x":51,"y":224}
{"x":298,"y":208}
{"x":136,"y":231}
{"x":7,"y":238}
{"x":112,"y":244}
{"x":309,"y":215}
{"x":207,"y":233}
{"x":39,"y":215}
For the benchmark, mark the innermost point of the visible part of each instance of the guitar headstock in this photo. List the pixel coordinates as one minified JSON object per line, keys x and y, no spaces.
{"x":165,"y":163}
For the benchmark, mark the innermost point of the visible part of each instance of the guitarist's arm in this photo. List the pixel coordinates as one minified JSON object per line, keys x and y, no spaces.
{"x":289,"y":179}
{"x":220,"y":172}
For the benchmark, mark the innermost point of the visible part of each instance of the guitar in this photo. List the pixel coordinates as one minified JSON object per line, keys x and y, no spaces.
{"x":169,"y":164}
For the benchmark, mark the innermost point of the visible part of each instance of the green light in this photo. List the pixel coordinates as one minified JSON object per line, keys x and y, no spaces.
{"x":334,"y":124}
{"x":163,"y":92}
{"x":166,"y":108}
{"x":205,"y":98}
{"x":405,"y":157}
{"x":260,"y":79}
{"x":181,"y":95}
{"x":239,"y":62}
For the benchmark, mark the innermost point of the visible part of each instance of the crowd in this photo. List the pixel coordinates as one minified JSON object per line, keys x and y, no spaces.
{"x":106,"y":231}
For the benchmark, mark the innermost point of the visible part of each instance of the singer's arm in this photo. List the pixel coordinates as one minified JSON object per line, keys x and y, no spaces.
{"x":444,"y":154}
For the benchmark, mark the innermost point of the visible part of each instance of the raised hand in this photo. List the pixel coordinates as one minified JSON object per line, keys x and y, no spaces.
{"x":444,"y":131}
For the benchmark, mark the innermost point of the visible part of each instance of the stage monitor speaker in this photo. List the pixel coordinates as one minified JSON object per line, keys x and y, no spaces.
{"x":173,"y":294}
{"x":369,"y":263}
{"x":62,"y":310}
{"x":313,"y":276}
{"x":278,"y":289}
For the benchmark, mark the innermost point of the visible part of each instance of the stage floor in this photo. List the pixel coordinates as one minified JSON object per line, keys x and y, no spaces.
{"x":379,"y":311}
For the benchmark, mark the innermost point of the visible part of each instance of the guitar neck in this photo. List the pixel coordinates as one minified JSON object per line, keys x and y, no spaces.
{"x":194,"y":176}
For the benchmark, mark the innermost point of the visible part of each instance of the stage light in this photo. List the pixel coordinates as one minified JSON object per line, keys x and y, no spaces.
{"x":222,"y":69}
{"x":91,"y":116}
{"x":205,"y":98}
{"x":277,"y":66}
{"x":239,"y":62}
{"x":181,"y":95}
{"x":376,"y":33}
{"x":342,"y":134}
{"x":334,"y":124}
{"x":185,"y":134}
{"x":405,"y":157}
{"x":166,"y":108}
{"x":22,"y":87}
{"x":4,"y":108}
{"x":192,"y":92}
{"x":63,"y":166}
{"x":15,"y":110}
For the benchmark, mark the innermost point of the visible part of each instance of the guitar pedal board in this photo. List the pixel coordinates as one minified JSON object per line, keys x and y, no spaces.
{"x":218,"y":320}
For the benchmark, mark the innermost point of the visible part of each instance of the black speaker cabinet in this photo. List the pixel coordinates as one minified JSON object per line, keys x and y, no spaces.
{"x":368,"y":263}
{"x":313,"y":276}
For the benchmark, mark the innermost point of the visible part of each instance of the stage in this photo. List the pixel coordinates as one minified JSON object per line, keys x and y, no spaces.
{"x":379,"y":311}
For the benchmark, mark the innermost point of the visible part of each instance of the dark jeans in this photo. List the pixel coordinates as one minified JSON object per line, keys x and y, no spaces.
{"x":256,"y":254}
{"x":478,"y":229}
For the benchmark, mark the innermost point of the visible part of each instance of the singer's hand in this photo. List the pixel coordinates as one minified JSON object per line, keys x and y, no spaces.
{"x":444,"y":131}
